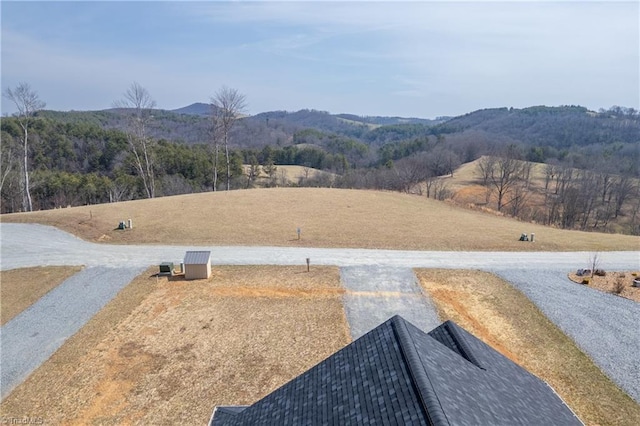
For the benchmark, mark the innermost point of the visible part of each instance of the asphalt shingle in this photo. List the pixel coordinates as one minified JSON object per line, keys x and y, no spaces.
{"x":396,"y":374}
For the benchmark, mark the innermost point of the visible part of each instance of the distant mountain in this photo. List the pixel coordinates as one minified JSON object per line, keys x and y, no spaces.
{"x":559,"y":127}
{"x":388,"y":121}
{"x":198,"y":108}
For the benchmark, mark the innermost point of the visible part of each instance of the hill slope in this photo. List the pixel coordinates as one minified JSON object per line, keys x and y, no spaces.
{"x":559,"y":127}
{"x":326,"y":217}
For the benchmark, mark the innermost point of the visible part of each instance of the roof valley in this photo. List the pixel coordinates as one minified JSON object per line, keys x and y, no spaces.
{"x":462,"y":345}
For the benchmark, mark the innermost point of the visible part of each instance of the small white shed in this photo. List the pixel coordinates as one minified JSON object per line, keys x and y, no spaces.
{"x":197,"y":265}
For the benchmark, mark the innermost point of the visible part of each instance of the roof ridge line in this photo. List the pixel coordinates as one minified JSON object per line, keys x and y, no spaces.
{"x":426,"y":393}
{"x":467,"y":353}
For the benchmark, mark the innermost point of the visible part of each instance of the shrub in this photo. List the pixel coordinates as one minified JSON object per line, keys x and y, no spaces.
{"x":619,"y":285}
{"x":599,"y":272}
{"x":586,"y":281}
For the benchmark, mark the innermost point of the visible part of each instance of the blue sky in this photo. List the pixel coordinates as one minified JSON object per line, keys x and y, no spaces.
{"x":419,"y":59}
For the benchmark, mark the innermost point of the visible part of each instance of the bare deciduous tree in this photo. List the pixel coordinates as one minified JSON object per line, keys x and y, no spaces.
{"x":253,"y":171}
{"x":229,"y":104}
{"x":501,"y":173}
{"x":518,"y":198}
{"x":409,"y":172}
{"x":550,"y":171}
{"x":441,"y":190}
{"x":594,"y":262}
{"x":138,"y":104}
{"x":270,"y":169}
{"x":485,"y":167}
{"x":27,"y":103}
{"x":215,"y":140}
{"x":622,"y":189}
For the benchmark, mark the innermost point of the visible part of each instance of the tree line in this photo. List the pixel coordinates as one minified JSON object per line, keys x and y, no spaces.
{"x":571,"y":198}
{"x":48,"y":162}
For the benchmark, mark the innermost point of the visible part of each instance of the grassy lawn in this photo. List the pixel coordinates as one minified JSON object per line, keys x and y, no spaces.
{"x":168,"y":351}
{"x":20,"y":288}
{"x":504,"y":318}
{"x":326,"y":217}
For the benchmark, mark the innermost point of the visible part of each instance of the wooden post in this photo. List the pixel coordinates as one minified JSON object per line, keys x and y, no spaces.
{"x":308,"y":262}
{"x":298,"y":230}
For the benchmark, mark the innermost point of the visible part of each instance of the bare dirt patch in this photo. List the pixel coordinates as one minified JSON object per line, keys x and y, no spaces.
{"x":182,"y":347}
{"x":504,"y":318}
{"x":20,"y":288}
{"x":326,"y":217}
{"x":619,"y":283}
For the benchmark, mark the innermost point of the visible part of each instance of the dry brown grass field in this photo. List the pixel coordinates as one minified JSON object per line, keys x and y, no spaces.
{"x":467,"y":175}
{"x":327,"y":218}
{"x":287,"y":175}
{"x":20,"y":288}
{"x":168,"y":351}
{"x":504,"y":318}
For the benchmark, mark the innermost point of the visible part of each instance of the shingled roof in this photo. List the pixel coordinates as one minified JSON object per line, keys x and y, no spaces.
{"x":397,"y":374}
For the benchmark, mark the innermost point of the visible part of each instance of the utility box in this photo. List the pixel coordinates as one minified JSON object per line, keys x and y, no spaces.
{"x":166,"y":268}
{"x":197,"y":265}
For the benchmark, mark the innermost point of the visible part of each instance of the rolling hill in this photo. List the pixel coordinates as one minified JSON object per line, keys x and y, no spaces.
{"x":327,"y":218}
{"x":558,"y":127}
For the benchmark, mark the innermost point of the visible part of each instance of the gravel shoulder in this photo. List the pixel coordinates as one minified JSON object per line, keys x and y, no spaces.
{"x":603,"y":325}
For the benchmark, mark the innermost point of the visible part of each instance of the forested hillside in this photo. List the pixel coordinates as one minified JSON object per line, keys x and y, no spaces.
{"x":85,"y":157}
{"x":560,"y":127}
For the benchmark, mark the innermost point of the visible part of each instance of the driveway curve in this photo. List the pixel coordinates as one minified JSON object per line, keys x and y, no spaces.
{"x":603,"y":325}
{"x":613,"y":343}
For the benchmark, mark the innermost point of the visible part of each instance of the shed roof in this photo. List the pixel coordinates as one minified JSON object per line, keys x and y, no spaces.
{"x":398,"y":374}
{"x":197,"y":257}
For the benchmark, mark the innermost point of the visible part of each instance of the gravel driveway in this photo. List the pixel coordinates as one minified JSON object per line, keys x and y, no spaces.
{"x":32,"y":336}
{"x":376,"y":293}
{"x":604,"y":326}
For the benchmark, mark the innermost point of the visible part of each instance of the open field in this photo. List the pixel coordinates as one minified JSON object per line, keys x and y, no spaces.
{"x":20,"y":288}
{"x":326,"y":217}
{"x":167,"y":351}
{"x":287,"y":175}
{"x":504,"y":318}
